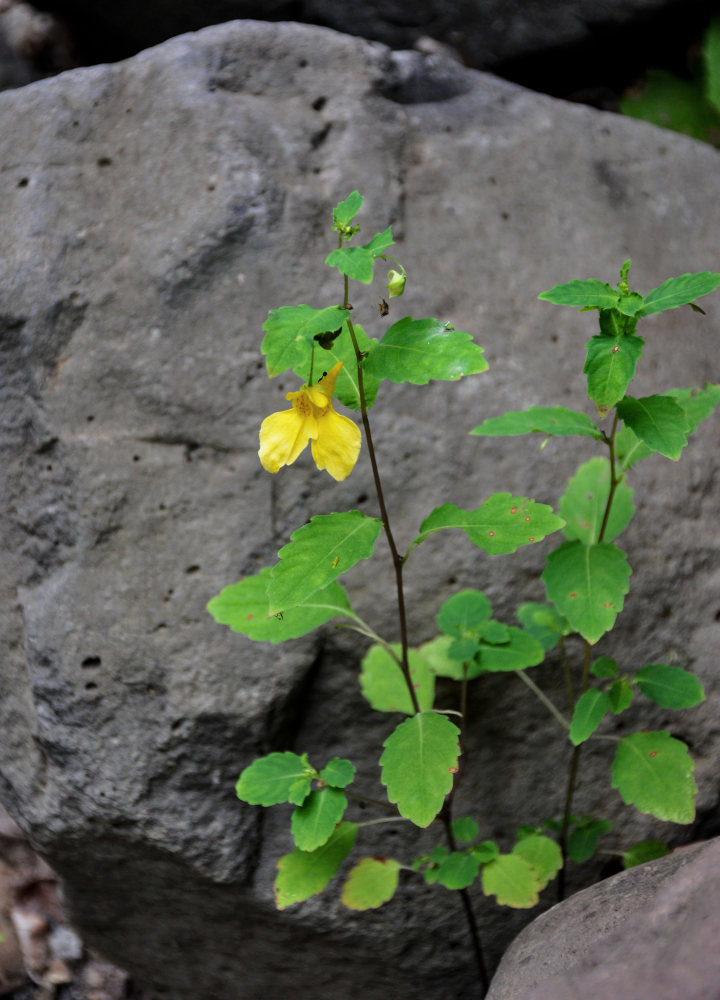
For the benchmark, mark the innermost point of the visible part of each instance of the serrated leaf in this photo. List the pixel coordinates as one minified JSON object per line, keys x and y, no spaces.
{"x":463,"y":613}
{"x":436,"y":654}
{"x":371,"y":883}
{"x":273,"y":779}
{"x":346,"y":210}
{"x":338,"y":772}
{"x":629,"y":449}
{"x":511,"y":879}
{"x":383,"y":684}
{"x":355,"y":262}
{"x":587,"y":584}
{"x":653,"y":772}
{"x":313,"y":822}
{"x":669,"y":687}
{"x":630,"y":304}
{"x":289,"y":333}
{"x":659,"y":421}
{"x":621,"y":695}
{"x":589,"y":712}
{"x":582,"y":841}
{"x":679,"y":292}
{"x":543,"y":855}
{"x":418,"y":764}
{"x":302,"y":874}
{"x":519,"y":652}
{"x":645,"y":850}
{"x":245,"y":608}
{"x":418,"y":350}
{"x":583,"y":503}
{"x":590,"y":294}
{"x":380,"y":242}
{"x":458,"y":870}
{"x":610,"y":367}
{"x":697,"y":404}
{"x":330,"y":544}
{"x":543,"y":623}
{"x":555,"y":421}
{"x":604,"y":666}
{"x":465,"y":829}
{"x":346,"y":385}
{"x":500,"y":525}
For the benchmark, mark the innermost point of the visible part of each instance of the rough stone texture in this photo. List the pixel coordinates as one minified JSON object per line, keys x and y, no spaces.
{"x":649,"y":932}
{"x":484,"y":32}
{"x":153,"y":212}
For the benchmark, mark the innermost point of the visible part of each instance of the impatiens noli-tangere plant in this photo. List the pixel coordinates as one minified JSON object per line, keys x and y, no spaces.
{"x":586,"y":579}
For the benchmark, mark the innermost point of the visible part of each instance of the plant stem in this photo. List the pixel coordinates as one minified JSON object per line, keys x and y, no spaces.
{"x":396,"y":558}
{"x":610,"y":441}
{"x":469,"y":914}
{"x":544,"y":699}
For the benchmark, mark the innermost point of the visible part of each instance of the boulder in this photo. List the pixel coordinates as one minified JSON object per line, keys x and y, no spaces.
{"x":153,"y":212}
{"x":648,"y":932}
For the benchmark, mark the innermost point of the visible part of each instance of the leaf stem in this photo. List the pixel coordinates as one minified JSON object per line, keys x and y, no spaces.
{"x":557,"y":714}
{"x":570,"y":788}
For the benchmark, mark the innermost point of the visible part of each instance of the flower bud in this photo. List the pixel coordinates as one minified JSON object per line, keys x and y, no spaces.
{"x":396,"y":284}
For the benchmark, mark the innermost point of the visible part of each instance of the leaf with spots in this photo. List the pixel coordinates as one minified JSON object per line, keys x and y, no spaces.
{"x":418,"y":764}
{"x":658,"y":421}
{"x":330,"y":544}
{"x":418,"y":350}
{"x":501,"y":524}
{"x":587,"y":584}
{"x":371,"y":883}
{"x":303,"y":874}
{"x":585,"y":498}
{"x":550,"y":421}
{"x":245,"y":608}
{"x":610,"y":367}
{"x":383,"y":684}
{"x":654,"y":772}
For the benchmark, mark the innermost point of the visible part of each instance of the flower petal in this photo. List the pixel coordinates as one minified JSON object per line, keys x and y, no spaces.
{"x":283,"y":436}
{"x":337,"y":445}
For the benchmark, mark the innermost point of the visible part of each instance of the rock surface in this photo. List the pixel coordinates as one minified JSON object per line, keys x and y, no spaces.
{"x":153,"y":211}
{"x":649,"y":932}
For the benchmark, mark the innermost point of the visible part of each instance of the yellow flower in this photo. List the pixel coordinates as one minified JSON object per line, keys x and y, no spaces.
{"x":335,"y":438}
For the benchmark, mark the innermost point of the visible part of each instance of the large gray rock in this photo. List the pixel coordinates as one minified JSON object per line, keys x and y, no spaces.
{"x":153,"y":212}
{"x":649,"y":932}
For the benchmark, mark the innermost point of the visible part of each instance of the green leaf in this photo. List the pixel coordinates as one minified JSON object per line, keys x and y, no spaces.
{"x":464,"y":649}
{"x":305,"y":873}
{"x":244,"y":607}
{"x":418,"y":764}
{"x":500,"y":525}
{"x":711,"y":63}
{"x":621,"y":695}
{"x":629,"y":449}
{"x":380,"y":242}
{"x":585,"y":498}
{"x":288,"y":341}
{"x":485,"y":852}
{"x":582,"y":841}
{"x":383,"y":684}
{"x":436,"y":654}
{"x":314,"y":821}
{"x":346,"y":211}
{"x":458,"y":870}
{"x":519,"y":652}
{"x":604,"y":666}
{"x":273,"y":779}
{"x":679,"y":292}
{"x":463,"y":613}
{"x":590,"y":294}
{"x":589,"y":712}
{"x":659,"y":421}
{"x":338,"y":772}
{"x":543,"y":623}
{"x":645,"y":850}
{"x":697,"y":404}
{"x":371,"y":883}
{"x":495,"y":633}
{"x":355,"y":262}
{"x":669,"y":687}
{"x":465,"y":829}
{"x":610,"y":367}
{"x":674,"y":103}
{"x":631,"y":304}
{"x":587,"y":584}
{"x":653,"y":772}
{"x":542,"y":854}
{"x":613,"y":323}
{"x":512,"y":880}
{"x":418,"y":350}
{"x":346,"y":385}
{"x":330,"y":544}
{"x":555,"y":421}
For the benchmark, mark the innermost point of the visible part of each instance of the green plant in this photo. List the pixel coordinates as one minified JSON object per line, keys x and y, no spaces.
{"x":690,"y":105}
{"x":586,"y":579}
